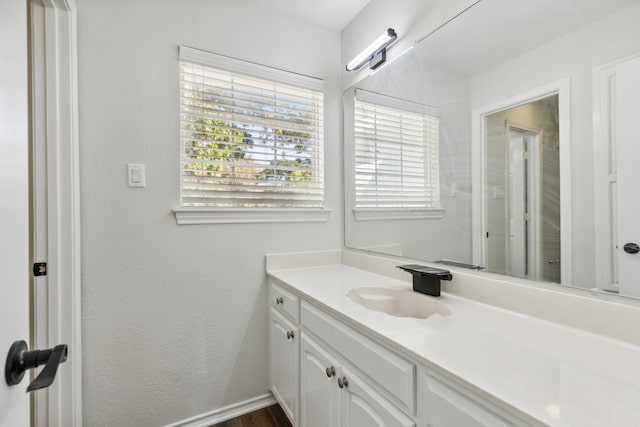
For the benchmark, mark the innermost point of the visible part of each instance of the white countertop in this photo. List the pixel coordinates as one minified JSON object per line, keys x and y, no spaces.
{"x":555,"y":374}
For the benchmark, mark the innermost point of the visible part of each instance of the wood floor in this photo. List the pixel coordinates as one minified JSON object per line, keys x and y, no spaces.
{"x":271,"y":416}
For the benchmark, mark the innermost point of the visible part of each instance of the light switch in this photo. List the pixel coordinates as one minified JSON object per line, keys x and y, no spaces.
{"x":454,"y":189}
{"x":135,"y":175}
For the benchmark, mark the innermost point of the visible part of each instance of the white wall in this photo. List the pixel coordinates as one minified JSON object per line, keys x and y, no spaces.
{"x":175,"y":317}
{"x":613,"y":37}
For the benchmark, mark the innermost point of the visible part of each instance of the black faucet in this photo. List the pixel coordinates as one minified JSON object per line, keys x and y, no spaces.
{"x":426,"y":280}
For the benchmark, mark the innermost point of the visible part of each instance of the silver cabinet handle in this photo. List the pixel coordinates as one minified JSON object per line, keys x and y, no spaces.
{"x":331,"y":371}
{"x":343,"y":382}
{"x":290,"y":335}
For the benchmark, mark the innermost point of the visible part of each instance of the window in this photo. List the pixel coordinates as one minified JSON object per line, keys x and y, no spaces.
{"x":396,"y":155}
{"x":251,"y":137}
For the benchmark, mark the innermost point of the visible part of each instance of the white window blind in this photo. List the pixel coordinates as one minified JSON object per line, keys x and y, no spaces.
{"x":251,"y":136}
{"x":396,"y":153}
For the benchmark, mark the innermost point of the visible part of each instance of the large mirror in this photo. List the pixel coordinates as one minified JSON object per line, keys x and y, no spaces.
{"x":506,"y":141}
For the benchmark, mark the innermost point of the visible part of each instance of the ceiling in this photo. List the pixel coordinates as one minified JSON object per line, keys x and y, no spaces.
{"x":332,"y":14}
{"x":494,"y":30}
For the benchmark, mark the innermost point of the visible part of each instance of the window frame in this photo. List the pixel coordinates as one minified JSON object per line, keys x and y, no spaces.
{"x":391,"y":213}
{"x":239,"y":214}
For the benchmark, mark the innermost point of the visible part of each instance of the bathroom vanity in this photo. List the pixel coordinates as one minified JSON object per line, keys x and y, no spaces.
{"x":352,"y":345}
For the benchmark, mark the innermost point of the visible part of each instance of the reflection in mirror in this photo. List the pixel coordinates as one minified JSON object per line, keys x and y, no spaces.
{"x":522,"y":159}
{"x":501,"y":142}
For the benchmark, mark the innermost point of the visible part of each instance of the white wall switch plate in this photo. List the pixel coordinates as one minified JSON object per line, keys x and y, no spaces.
{"x":136,"y":175}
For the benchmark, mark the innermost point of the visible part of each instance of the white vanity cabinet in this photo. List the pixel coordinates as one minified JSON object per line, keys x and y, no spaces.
{"x":470,"y":365}
{"x":284,"y":350}
{"x":347,"y":379}
{"x":332,"y":394}
{"x":325,"y":372}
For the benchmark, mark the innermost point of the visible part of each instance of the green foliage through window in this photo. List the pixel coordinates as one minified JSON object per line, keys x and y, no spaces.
{"x":249,"y":142}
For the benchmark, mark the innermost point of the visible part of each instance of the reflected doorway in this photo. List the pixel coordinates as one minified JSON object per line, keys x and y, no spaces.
{"x":522,"y":236}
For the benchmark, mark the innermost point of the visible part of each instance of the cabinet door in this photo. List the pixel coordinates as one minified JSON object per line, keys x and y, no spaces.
{"x":283,"y":363}
{"x":319,"y":392}
{"x":446,"y":407}
{"x":362,"y":406}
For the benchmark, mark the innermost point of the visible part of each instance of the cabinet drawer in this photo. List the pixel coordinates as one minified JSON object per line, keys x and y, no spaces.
{"x":445,"y":406}
{"x":394,"y":375}
{"x":284,"y":301}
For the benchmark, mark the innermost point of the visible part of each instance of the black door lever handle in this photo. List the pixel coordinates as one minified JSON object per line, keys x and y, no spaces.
{"x":19,"y":360}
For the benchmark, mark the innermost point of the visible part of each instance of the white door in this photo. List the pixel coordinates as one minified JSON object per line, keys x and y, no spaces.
{"x":14,"y":207}
{"x":362,"y":406}
{"x":319,"y":392}
{"x":283,"y":361}
{"x":523,"y":206}
{"x":517,"y":206}
{"x":628,"y":147}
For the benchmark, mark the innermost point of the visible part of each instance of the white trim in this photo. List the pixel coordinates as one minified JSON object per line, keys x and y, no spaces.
{"x":56,"y":96}
{"x":397,"y":103}
{"x":376,"y":214}
{"x":38,"y":189}
{"x":602,"y":97}
{"x":191,"y":216}
{"x":478,"y":130}
{"x":566,"y":201}
{"x":227,"y":413}
{"x":478,"y":190}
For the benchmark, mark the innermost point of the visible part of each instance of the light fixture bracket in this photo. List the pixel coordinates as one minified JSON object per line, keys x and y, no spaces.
{"x":378,"y":59}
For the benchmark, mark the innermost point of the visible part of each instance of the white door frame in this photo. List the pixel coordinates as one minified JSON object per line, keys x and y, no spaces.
{"x":478,"y":164}
{"x":56,"y":304}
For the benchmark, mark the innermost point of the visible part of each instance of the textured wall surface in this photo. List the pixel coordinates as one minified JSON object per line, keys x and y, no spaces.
{"x":175,"y":317}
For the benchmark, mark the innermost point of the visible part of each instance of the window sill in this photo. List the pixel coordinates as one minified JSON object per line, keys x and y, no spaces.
{"x":191,"y":216}
{"x":380,"y":214}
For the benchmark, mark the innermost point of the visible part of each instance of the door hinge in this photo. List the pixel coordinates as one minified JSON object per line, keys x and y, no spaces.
{"x":40,"y":269}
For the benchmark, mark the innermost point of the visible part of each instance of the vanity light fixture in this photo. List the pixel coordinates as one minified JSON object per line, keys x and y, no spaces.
{"x":375,"y":54}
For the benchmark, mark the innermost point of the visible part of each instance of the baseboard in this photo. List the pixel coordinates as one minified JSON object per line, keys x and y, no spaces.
{"x":227,"y":413}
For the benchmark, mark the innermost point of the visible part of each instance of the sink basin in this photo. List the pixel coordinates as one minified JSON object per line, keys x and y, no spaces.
{"x":398,"y":302}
